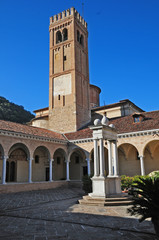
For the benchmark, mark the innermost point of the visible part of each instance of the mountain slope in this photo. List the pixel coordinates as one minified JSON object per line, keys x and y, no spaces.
{"x":12,"y":112}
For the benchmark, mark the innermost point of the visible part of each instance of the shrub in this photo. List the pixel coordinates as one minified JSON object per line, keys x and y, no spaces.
{"x":145,"y":203}
{"x":87,"y":184}
{"x":127,"y":182}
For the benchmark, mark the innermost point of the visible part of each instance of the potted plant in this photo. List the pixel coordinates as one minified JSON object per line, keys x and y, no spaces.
{"x":146,"y":200}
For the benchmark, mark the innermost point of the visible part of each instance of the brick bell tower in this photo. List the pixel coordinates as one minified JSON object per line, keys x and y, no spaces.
{"x":69,"y":104}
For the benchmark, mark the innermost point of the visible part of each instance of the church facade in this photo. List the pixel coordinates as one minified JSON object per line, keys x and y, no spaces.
{"x":58,"y":143}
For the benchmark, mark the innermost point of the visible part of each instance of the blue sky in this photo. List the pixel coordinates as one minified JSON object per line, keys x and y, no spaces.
{"x":123,"y":49}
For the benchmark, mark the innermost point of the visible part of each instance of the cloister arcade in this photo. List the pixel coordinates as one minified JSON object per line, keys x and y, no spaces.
{"x":43,"y":163}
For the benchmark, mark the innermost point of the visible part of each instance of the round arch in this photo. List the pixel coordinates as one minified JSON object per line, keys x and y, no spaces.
{"x":1,"y":152}
{"x":19,"y":146}
{"x":129,"y":161}
{"x":59,"y":164}
{"x":17,"y":164}
{"x":151,"y":156}
{"x":40,"y":164}
{"x":78,"y":164}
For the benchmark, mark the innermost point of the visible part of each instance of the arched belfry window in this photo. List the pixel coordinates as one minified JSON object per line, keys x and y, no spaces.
{"x":82,"y":40}
{"x":65,"y":34}
{"x":78,"y":36}
{"x":58,"y":37}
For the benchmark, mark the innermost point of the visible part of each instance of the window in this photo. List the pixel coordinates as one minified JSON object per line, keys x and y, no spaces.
{"x":136,"y":119}
{"x":77,"y":159}
{"x":58,"y":97}
{"x":36,"y":158}
{"x":63,"y":101}
{"x":58,"y":37}
{"x":82,"y":40}
{"x":58,"y":160}
{"x":64,"y":58}
{"x":78,"y":36}
{"x":65,"y":34}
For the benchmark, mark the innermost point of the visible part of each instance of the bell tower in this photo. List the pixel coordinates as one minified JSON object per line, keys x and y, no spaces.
{"x":69,"y":104}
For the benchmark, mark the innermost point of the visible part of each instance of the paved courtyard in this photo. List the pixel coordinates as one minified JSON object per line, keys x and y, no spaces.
{"x":55,"y":214}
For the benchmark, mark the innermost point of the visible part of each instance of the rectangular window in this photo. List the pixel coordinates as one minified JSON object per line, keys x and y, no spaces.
{"x":63,"y":100}
{"x":58,"y":97}
{"x":64,"y":58}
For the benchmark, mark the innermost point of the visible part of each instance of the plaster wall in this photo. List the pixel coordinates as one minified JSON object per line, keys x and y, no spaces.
{"x":22,"y":171}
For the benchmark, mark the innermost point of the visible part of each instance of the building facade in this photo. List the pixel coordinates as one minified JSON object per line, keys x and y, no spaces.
{"x":58,"y":143}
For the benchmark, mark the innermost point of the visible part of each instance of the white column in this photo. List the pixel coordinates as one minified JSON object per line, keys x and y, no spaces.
{"x":115,"y":158}
{"x":142,"y":165}
{"x":30,"y":170}
{"x":101,"y":158}
{"x":88,"y":167}
{"x":96,"y":163}
{"x":67,"y":170}
{"x":110,"y":159}
{"x":50,"y":170}
{"x":4,"y":169}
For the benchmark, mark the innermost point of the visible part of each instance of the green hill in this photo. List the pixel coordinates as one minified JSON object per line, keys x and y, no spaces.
{"x":13,"y":112}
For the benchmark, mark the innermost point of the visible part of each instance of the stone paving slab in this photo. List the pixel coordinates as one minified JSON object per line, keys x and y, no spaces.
{"x":54,"y":214}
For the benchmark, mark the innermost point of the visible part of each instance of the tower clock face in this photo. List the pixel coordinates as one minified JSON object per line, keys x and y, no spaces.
{"x":62,"y":85}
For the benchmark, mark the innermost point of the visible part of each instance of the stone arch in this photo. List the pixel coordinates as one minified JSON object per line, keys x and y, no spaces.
{"x":17,"y":163}
{"x":58,"y":37}
{"x":129,"y":162}
{"x":40,"y":164}
{"x":151,"y":156}
{"x":59,"y":164}
{"x":1,"y":152}
{"x":78,"y":164}
{"x":21,"y":146}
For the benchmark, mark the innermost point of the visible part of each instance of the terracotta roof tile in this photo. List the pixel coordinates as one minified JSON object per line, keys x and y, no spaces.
{"x":123,"y":125}
{"x":20,"y":128}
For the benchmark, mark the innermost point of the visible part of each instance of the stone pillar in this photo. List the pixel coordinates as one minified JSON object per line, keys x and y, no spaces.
{"x":88,"y":166}
{"x":115,"y":158}
{"x":50,"y":170}
{"x":67,"y":170}
{"x":96,"y":163}
{"x":142,"y":165}
{"x":101,"y":158}
{"x":4,"y":169}
{"x":110,"y":174}
{"x":30,"y":170}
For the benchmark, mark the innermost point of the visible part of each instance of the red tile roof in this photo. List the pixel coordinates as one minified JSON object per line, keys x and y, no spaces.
{"x":29,"y":130}
{"x":123,"y":125}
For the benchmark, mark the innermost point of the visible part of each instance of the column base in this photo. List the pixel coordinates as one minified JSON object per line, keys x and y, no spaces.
{"x":104,"y":187}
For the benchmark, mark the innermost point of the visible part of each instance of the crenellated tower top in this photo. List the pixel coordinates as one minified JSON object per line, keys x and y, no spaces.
{"x":67,"y":13}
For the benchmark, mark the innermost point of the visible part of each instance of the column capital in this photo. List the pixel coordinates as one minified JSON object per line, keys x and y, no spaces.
{"x":51,"y":160}
{"x":5,"y":157}
{"x":87,"y":159}
{"x":67,"y":161}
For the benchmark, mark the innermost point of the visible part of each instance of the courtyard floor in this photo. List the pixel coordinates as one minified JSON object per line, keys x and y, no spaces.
{"x":54,"y":214}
